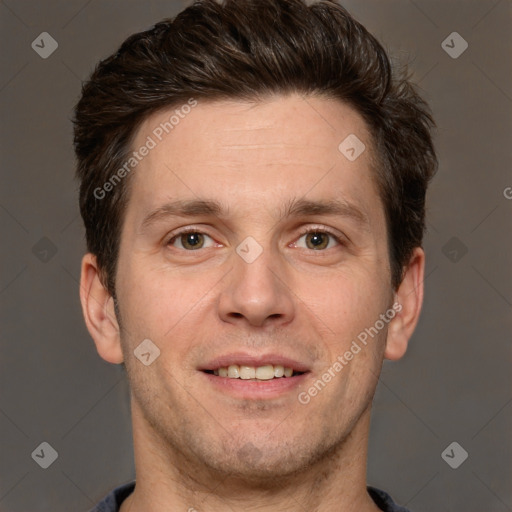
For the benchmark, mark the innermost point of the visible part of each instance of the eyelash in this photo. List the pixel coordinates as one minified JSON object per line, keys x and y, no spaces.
{"x":306,"y":231}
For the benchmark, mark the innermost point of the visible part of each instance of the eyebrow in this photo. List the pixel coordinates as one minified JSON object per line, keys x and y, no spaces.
{"x":294,"y":208}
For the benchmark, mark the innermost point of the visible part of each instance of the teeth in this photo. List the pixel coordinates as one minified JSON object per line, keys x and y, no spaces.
{"x":278,"y":370}
{"x":247,"y":372}
{"x":234,"y":371}
{"x":244,"y":372}
{"x":265,"y":372}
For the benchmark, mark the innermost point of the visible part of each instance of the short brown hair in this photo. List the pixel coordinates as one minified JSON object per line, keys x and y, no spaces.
{"x":247,"y":50}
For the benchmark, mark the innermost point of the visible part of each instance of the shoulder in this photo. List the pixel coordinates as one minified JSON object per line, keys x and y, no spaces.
{"x":112,"y":501}
{"x":384,"y":501}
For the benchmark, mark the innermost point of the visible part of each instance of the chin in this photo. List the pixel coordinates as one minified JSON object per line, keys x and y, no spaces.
{"x":268,"y":464}
{"x":257,"y":471}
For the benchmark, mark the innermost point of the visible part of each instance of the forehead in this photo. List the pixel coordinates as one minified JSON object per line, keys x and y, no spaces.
{"x":253,"y":154}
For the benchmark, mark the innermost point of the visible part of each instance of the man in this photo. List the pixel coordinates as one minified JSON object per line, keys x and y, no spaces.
{"x":253,"y":182}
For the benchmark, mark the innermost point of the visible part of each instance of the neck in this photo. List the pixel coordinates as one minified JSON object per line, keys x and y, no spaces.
{"x":166,"y":476}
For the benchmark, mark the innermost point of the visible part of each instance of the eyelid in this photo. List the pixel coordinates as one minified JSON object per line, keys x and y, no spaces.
{"x":338,"y":236}
{"x":182,"y":231}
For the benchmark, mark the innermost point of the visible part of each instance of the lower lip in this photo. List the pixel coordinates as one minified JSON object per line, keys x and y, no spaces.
{"x":254,"y":389}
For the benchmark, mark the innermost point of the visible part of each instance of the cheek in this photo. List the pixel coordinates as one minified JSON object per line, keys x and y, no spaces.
{"x":164,"y":306}
{"x":347,"y":300}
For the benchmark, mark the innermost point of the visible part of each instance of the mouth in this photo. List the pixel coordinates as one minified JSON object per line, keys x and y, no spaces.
{"x":255,"y":373}
{"x":255,"y":377}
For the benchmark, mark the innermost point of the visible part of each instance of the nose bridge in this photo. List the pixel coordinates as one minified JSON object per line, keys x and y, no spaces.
{"x":256,"y":289}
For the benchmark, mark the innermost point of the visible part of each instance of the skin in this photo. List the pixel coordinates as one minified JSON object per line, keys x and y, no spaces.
{"x":200,"y":448}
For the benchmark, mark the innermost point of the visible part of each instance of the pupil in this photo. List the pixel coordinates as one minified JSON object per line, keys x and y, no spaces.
{"x":192,"y":239}
{"x":316,"y":239}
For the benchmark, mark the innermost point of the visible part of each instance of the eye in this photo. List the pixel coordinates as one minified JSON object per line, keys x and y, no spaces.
{"x":318,"y":238}
{"x":189,"y":239}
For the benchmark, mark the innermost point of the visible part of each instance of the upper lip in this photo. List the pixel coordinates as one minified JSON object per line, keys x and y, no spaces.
{"x":245,"y":359}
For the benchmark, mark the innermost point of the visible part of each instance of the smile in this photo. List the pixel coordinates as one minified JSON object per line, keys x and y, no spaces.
{"x":244,"y":372}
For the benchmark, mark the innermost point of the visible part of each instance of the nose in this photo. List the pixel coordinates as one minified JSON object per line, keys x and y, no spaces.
{"x":257,"y":292}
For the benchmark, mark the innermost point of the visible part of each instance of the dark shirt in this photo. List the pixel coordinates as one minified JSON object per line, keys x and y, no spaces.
{"x":112,"y":502}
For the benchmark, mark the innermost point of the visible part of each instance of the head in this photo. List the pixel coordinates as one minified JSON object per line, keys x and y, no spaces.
{"x":247,"y":104}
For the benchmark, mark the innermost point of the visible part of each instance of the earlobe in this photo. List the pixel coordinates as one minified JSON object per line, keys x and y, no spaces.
{"x":408,"y":300}
{"x":99,"y":314}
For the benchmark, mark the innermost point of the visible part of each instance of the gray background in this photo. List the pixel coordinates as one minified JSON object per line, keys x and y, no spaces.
{"x":454,"y":382}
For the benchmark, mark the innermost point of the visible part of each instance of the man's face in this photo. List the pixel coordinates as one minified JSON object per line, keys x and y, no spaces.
{"x":252,"y":286}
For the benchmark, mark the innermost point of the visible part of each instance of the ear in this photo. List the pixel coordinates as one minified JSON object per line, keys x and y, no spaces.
{"x":409,"y":299}
{"x":99,"y":314}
